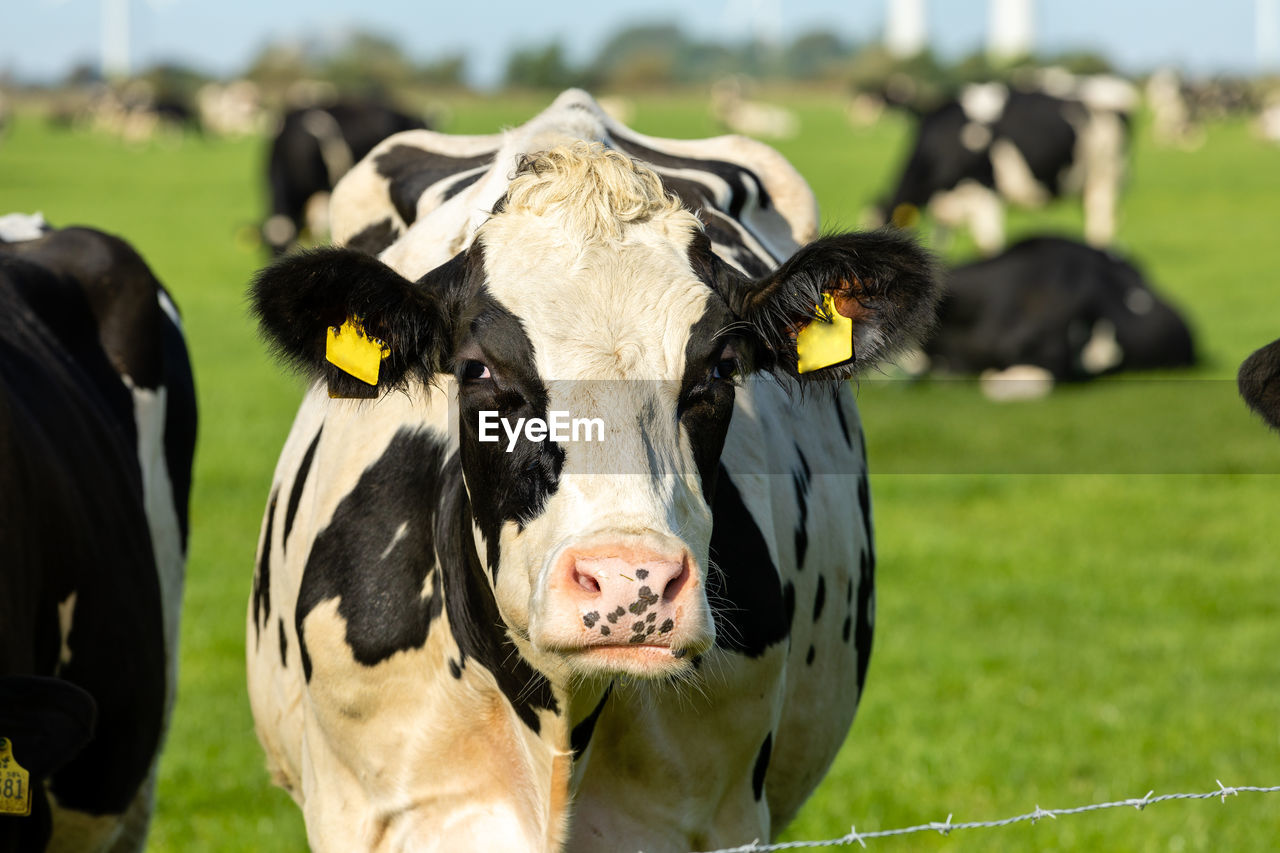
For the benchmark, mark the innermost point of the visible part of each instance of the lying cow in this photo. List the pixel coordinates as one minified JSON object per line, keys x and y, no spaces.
{"x":994,"y":145}
{"x":97,"y":429}
{"x":1067,"y":310}
{"x":651,"y":636}
{"x":315,"y":147}
{"x":1259,"y":382}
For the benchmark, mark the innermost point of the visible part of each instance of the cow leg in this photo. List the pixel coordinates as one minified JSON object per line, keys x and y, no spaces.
{"x":1103,"y":143}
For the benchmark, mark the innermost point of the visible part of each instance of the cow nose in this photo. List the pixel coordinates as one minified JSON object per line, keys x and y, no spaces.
{"x":652,"y":578}
{"x":628,"y":595}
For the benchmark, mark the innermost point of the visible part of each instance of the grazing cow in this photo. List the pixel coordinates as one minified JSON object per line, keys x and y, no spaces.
{"x":1069,"y":310}
{"x":314,"y":147}
{"x":993,"y":144}
{"x":97,"y":429}
{"x":649,"y":636}
{"x":1259,"y":382}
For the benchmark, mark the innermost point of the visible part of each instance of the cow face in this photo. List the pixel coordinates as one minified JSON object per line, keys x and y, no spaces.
{"x":591,"y":299}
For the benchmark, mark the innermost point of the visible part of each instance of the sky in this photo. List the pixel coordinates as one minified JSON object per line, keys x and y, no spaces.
{"x":40,"y":40}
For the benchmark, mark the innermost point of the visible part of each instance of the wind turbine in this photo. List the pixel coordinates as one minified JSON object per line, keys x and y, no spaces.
{"x":116,"y":49}
{"x":904,"y":28}
{"x":1009,"y":30}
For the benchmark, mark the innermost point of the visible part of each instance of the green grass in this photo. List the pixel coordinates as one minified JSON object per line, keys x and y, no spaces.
{"x":1077,"y":597}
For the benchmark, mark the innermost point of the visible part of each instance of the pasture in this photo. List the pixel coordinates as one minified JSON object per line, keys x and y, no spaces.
{"x":1077,"y":596}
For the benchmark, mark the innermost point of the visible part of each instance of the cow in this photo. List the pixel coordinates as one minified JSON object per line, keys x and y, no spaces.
{"x":313,"y":148}
{"x":652,"y":635}
{"x":1259,"y":382}
{"x":994,"y":144}
{"x":97,"y":431}
{"x":1068,"y":311}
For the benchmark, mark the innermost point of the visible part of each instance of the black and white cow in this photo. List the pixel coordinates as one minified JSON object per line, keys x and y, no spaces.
{"x":1067,"y":310}
{"x":313,"y":148}
{"x":1259,"y":382}
{"x":97,"y":430}
{"x":653,"y":639}
{"x":993,"y":144}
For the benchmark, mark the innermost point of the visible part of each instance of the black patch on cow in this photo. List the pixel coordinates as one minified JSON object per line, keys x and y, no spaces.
{"x":705,"y":405}
{"x":473,"y":615}
{"x":727,"y":234}
{"x":460,"y":185}
{"x":864,"y":504}
{"x":518,"y":484}
{"x":284,"y":643}
{"x":845,"y":631}
{"x":844,"y":424}
{"x":752,"y":610}
{"x":454,"y":669}
{"x":262,"y":578}
{"x":377,"y":576}
{"x":373,"y":239}
{"x":299,"y":481}
{"x":762,"y":766}
{"x":808,"y":658}
{"x":820,"y":598}
{"x":580,"y":737}
{"x":865,"y":630}
{"x":411,"y":171}
{"x":800,"y":479}
{"x":743,"y":183}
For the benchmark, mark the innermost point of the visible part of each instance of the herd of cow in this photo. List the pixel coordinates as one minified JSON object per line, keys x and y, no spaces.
{"x":452,"y":644}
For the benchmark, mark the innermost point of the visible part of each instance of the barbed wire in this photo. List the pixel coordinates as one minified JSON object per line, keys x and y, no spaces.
{"x":948,"y":826}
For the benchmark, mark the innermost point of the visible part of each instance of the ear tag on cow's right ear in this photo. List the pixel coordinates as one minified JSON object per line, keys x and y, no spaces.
{"x":349,"y":349}
{"x":824,"y":342}
{"x":15,"y":783}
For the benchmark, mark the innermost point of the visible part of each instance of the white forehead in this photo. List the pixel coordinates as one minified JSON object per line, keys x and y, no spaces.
{"x":596,"y":266}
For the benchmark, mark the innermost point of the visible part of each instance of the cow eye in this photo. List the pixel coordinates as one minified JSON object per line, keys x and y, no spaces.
{"x":473,"y":371}
{"x":725,"y":368}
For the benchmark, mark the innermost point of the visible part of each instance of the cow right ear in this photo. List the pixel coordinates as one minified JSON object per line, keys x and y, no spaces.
{"x":348,"y":317}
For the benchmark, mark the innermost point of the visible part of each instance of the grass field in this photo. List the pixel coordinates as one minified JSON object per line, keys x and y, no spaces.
{"x":1077,"y":599}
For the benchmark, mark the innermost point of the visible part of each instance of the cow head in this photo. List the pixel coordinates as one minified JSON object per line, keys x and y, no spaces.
{"x":592,"y":292}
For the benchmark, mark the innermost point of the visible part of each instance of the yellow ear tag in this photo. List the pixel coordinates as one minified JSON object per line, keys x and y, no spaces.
{"x":824,"y":341}
{"x":906,"y":215}
{"x":347,"y":348}
{"x":15,"y":783}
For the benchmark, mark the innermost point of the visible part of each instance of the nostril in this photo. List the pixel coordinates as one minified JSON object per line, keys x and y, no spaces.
{"x":587,"y":582}
{"x":673,"y":587}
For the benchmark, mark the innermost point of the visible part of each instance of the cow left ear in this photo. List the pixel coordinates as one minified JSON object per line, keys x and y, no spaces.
{"x":349,"y":318}
{"x":844,"y":303}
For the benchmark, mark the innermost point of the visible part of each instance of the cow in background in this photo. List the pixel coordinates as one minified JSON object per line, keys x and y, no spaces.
{"x":314,"y":147}
{"x":97,"y":431}
{"x":994,"y":144}
{"x":1259,"y":381}
{"x":1051,"y":309}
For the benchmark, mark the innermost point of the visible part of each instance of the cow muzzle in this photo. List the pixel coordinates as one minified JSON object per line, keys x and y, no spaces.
{"x":631,"y":605}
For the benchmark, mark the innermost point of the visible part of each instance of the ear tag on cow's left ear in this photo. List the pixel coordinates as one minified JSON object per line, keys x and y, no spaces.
{"x":15,"y":783}
{"x":349,"y":349}
{"x":826,"y":341}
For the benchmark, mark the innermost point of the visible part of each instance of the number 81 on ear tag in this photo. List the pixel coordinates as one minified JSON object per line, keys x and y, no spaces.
{"x":15,"y":783}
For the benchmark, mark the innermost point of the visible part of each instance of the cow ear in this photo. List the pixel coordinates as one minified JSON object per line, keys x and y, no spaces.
{"x":1259,"y":382}
{"x":843,"y":303}
{"x":348,"y":317}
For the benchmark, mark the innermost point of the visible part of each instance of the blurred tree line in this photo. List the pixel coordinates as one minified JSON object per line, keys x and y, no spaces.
{"x":640,"y":56}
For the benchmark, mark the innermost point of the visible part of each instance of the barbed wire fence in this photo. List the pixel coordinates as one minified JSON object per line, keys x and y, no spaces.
{"x":948,"y":826}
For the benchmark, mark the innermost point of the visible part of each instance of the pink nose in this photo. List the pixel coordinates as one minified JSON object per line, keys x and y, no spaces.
{"x":626,"y":594}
